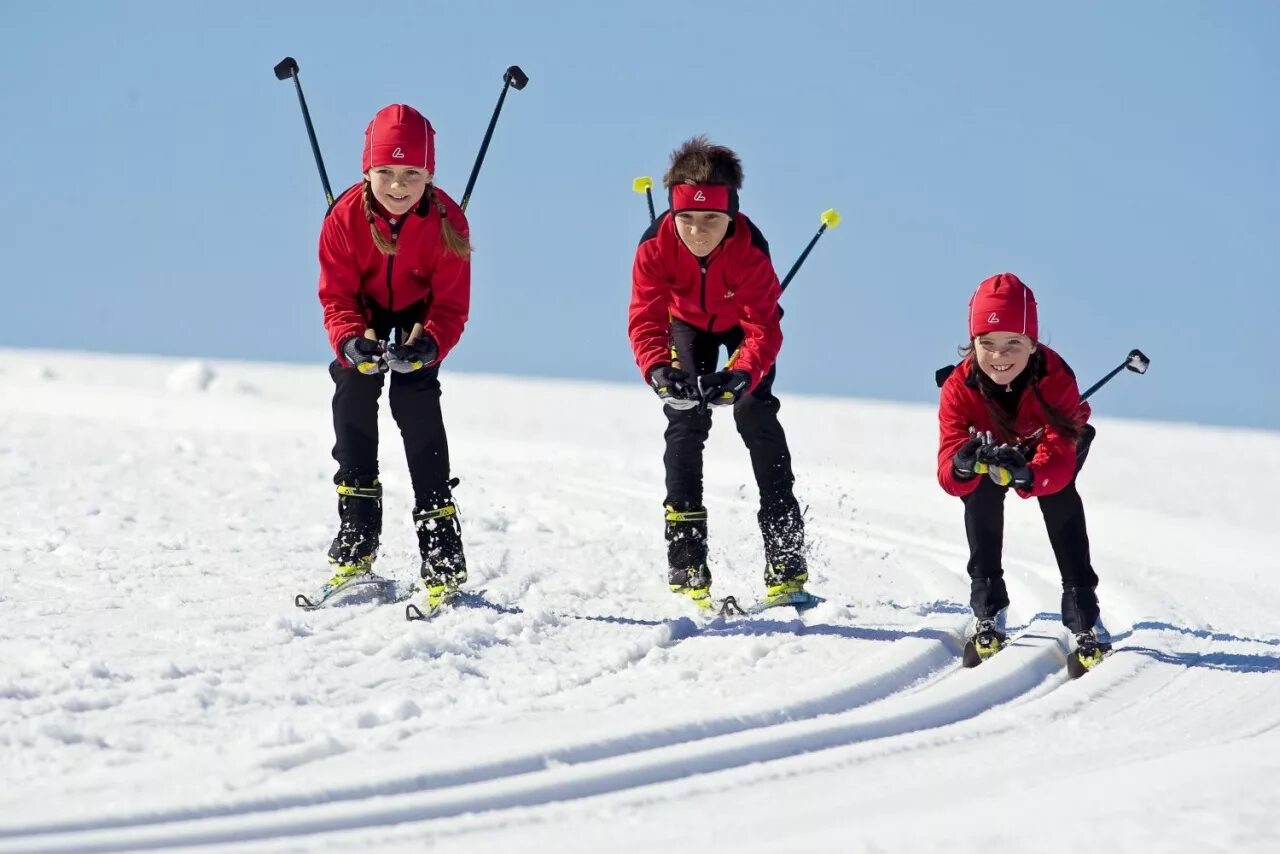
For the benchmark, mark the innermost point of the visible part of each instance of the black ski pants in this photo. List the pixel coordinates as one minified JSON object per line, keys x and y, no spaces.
{"x":1063,"y":513}
{"x":755,"y":414}
{"x":415,"y":406}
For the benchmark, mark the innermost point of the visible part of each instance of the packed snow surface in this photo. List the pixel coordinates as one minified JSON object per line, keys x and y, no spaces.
{"x":159,"y":690}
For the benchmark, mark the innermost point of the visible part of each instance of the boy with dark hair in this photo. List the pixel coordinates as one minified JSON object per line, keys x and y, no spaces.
{"x":702,"y":280}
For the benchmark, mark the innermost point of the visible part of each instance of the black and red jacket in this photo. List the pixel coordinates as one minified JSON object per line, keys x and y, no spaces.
{"x":1053,"y":456}
{"x":356,"y":278}
{"x":733,"y":286}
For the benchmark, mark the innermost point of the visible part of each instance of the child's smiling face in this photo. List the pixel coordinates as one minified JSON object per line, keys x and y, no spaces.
{"x":1003,"y":356}
{"x":702,"y":231}
{"x":398,"y":188}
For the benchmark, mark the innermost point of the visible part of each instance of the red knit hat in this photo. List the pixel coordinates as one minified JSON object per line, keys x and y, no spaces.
{"x":1003,"y":304}
{"x":399,"y":135}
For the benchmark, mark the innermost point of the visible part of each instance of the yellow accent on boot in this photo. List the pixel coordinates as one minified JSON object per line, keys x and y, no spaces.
{"x":1090,"y":661}
{"x":374,"y":491}
{"x":438,"y":591}
{"x":438,"y":513}
{"x":785,"y":588}
{"x":674,"y":515}
{"x":344,"y":573}
{"x":985,"y":651}
{"x":794,"y":584}
{"x":701,"y":596}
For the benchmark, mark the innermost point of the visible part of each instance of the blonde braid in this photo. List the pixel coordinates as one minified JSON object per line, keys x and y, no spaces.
{"x":386,"y":247}
{"x":453,"y":241}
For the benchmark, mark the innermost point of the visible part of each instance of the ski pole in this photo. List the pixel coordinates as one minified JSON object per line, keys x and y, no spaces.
{"x":829,"y":219}
{"x":644,"y":184}
{"x":512,"y":78}
{"x":1135,"y":361}
{"x":286,"y":68}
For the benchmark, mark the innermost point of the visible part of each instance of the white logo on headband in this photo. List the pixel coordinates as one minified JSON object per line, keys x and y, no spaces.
{"x":993,"y":318}
{"x":698,"y":197}
{"x":398,"y":153}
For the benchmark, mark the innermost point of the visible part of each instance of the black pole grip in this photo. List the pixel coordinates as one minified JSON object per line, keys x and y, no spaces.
{"x":512,"y":78}
{"x":288,"y":68}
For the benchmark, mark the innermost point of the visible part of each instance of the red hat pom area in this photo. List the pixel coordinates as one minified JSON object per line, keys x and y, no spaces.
{"x":399,"y":135}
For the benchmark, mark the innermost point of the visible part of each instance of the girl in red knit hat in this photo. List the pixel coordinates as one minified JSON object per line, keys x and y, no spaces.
{"x":1011,"y":417}
{"x":394,"y":265}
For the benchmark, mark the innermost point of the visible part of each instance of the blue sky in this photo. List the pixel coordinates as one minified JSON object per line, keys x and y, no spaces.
{"x":159,"y":195}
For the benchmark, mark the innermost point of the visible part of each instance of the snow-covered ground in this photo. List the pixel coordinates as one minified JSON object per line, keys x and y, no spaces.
{"x":158,"y":689}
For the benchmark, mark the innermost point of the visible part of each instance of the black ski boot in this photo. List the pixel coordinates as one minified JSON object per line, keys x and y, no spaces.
{"x":687,"y":572}
{"x":986,"y":638}
{"x":356,"y":545}
{"x":786,"y":569}
{"x":1088,"y":654}
{"x":444,"y":566}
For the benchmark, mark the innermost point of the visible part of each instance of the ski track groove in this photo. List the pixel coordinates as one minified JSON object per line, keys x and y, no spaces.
{"x":924,"y":690}
{"x":927,"y":691}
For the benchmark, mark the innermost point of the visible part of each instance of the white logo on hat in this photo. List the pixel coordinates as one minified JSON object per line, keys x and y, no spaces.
{"x":698,"y":197}
{"x":993,"y":318}
{"x":398,"y":153}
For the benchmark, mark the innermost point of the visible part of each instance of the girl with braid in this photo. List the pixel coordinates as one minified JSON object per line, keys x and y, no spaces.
{"x":1011,"y":416}
{"x":394,"y":266}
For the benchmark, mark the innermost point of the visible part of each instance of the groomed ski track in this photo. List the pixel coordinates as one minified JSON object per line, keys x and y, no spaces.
{"x":573,"y":601}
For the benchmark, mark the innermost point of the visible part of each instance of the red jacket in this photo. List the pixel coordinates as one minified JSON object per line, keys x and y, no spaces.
{"x":353,"y":271}
{"x":733,"y":286}
{"x":1054,"y":459}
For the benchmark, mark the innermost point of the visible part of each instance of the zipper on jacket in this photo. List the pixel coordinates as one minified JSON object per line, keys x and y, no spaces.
{"x":702,"y":265}
{"x":391,"y":263}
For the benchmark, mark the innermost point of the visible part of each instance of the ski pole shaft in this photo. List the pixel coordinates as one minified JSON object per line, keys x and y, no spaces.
{"x":512,"y":78}
{"x":288,"y":68}
{"x":829,"y":219}
{"x":644,"y":184}
{"x":1135,"y":361}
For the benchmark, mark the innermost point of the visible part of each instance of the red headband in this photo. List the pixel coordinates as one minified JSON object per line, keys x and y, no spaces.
{"x":704,"y":197}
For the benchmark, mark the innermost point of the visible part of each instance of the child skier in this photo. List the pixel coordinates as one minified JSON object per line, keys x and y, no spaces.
{"x":702,"y":280}
{"x":1011,"y":416}
{"x":394,"y":266}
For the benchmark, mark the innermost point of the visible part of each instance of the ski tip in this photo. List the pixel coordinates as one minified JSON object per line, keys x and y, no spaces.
{"x":301,"y":601}
{"x":413,"y":612}
{"x":729,"y":607}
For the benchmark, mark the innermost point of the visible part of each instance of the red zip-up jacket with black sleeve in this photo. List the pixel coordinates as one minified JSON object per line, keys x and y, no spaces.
{"x":354,"y":272}
{"x":1053,"y":457}
{"x":733,"y":286}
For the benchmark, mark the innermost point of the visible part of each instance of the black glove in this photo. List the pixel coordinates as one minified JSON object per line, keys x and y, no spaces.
{"x":673,"y":387}
{"x":1006,"y":466}
{"x":406,"y":358}
{"x":966,"y":462}
{"x":364,"y":354}
{"x":723,"y":388}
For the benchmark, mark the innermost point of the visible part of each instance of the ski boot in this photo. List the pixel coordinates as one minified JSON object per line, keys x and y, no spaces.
{"x":444,"y":567}
{"x":1088,"y":654}
{"x":986,"y":638}
{"x":786,"y":569}
{"x":687,"y":573}
{"x":694,"y":582}
{"x":356,"y":546}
